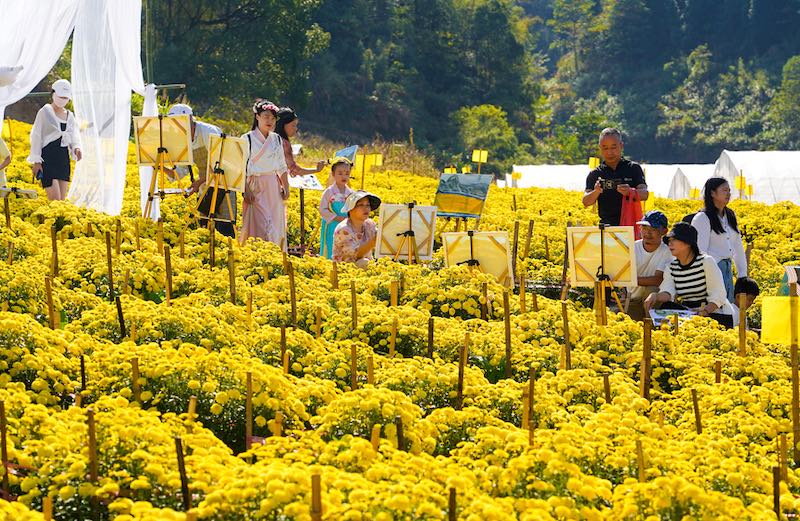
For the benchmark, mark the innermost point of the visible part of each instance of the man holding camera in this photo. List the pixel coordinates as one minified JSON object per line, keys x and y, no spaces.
{"x":614,"y":178}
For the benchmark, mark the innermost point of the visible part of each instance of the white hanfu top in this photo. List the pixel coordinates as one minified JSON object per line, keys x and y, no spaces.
{"x":265,"y":155}
{"x":47,"y":128}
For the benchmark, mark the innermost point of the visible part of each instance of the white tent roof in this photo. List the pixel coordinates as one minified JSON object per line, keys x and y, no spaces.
{"x":568,"y":177}
{"x":696,"y":175}
{"x":775,"y":175}
{"x":659,"y":178}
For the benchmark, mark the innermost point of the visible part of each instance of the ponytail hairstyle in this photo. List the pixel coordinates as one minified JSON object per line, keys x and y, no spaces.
{"x":285,"y":116}
{"x":262,"y":105}
{"x":711,"y":210}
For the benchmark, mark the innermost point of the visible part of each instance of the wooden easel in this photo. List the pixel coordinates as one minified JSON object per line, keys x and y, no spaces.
{"x":408,"y":239}
{"x":163,"y":158}
{"x":218,"y":178}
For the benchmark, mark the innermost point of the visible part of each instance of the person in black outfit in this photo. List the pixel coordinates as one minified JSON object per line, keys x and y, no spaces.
{"x":626,"y":174}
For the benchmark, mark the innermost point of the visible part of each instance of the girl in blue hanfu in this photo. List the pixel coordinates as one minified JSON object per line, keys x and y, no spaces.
{"x":331,"y":205}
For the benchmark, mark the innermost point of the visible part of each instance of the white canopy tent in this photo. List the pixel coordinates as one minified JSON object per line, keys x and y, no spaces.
{"x":106,"y":67}
{"x":567,"y":177}
{"x":694,"y":175}
{"x":774,"y":175}
{"x":660,"y":178}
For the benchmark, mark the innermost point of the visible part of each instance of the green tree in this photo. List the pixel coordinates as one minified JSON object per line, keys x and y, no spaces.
{"x":571,"y":23}
{"x":486,"y":127}
{"x":784,"y":111}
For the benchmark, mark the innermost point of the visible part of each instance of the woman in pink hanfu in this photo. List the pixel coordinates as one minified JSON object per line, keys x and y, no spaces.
{"x":267,"y":184}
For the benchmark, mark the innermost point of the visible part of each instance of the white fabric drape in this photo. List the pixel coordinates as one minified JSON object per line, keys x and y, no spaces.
{"x":150,"y":108}
{"x":106,"y":67}
{"x":33,"y":35}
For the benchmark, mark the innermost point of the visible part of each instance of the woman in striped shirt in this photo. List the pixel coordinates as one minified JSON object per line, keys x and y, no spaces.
{"x":692,"y":278}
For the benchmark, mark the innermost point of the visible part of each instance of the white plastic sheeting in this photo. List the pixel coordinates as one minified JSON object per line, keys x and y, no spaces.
{"x":694,"y":176}
{"x":106,"y":67}
{"x":568,"y":177}
{"x":660,"y":178}
{"x":33,"y":36}
{"x":774,"y":175}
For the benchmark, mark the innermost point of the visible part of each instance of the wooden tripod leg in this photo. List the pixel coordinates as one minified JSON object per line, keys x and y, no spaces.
{"x":231,"y":214}
{"x":150,"y":194}
{"x":399,"y":248}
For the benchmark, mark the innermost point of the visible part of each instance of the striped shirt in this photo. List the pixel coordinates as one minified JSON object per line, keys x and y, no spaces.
{"x":698,"y":283}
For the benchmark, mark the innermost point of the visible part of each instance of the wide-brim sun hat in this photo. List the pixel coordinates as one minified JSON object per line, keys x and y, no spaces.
{"x":353,"y":199}
{"x":683,"y":232}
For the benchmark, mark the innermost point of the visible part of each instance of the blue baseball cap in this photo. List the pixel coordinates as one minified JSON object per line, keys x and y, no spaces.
{"x":655,"y":219}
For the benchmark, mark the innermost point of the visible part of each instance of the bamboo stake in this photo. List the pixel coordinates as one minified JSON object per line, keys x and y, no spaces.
{"x":485,"y":303}
{"x":51,"y":312}
{"x":697,"y":422}
{"x":567,"y":347}
{"x":283,"y":344}
{"x":507,"y":322}
{"x":135,"y":379}
{"x":168,"y":268}
{"x":286,"y":362}
{"x":353,"y":368}
{"x":319,"y":322}
{"x":120,"y":318}
{"x":353,"y":306}
{"x":293,"y":294}
{"x":4,"y":447}
{"x":316,"y":498}
{"x":126,"y":279}
{"x":249,"y":307}
{"x":186,"y":498}
{"x":138,"y":235}
{"x":451,"y":505}
{"x":248,"y":411}
{"x":375,"y":437}
{"x":717,"y":371}
{"x":644,"y":379}
{"x":528,"y":240}
{"x":784,"y":463}
{"x":393,"y":338}
{"x":92,"y":446}
{"x":742,"y":325}
{"x":278,"y":431}
{"x":47,"y":508}
{"x":526,"y":407}
{"x":776,"y":491}
{"x":83,"y":373}
{"x":335,"y":276}
{"x":190,"y":414}
{"x":231,"y":272}
{"x":10,"y":260}
{"x":535,"y":301}
{"x":522,"y":303}
{"x":160,"y":236}
{"x":7,"y":212}
{"x":675,"y":325}
{"x":514,"y":248}
{"x":531,"y":396}
{"x":430,"y":337}
{"x":370,"y":370}
{"x":393,"y":293}
{"x":462,"y":364}
{"x":401,"y":440}
{"x":54,"y":244}
{"x":212,"y":244}
{"x":607,"y":388}
{"x":110,"y":268}
{"x":118,"y":236}
{"x":640,"y":460}
{"x":89,"y":230}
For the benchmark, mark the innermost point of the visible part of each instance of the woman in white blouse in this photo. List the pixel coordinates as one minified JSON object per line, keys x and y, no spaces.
{"x":267,"y":184}
{"x":718,"y":232}
{"x":54,"y":140}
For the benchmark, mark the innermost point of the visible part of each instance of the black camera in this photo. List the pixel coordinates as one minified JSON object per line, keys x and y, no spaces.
{"x":609,"y":184}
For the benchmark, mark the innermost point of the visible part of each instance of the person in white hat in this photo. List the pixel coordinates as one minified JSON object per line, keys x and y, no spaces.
{"x":354,"y":238}
{"x":54,"y":140}
{"x":201,"y":138}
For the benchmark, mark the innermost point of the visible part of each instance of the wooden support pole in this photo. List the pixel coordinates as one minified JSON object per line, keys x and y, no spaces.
{"x":83,"y":373}
{"x":283,"y":343}
{"x":249,"y":305}
{"x":522,"y":303}
{"x":293,"y":294}
{"x":92,"y":445}
{"x":430,"y":337}
{"x":138,"y":234}
{"x":526,"y":408}
{"x":118,"y":236}
{"x":10,"y":258}
{"x":401,"y":440}
{"x":515,"y":248}
{"x":160,"y":236}
{"x":462,"y":365}
{"x":675,"y":325}
{"x":248,"y":411}
{"x":640,"y":461}
{"x":742,"y":325}
{"x":54,"y":245}
{"x":393,"y":338}
{"x":535,"y":301}
{"x":567,"y":346}
{"x":393,"y":293}
{"x":607,"y":388}
{"x":286,"y":357}
{"x":353,"y":368}
{"x":334,"y":275}
{"x":507,"y":322}
{"x":452,"y":513}
{"x":776,"y":491}
{"x":135,"y":379}
{"x":51,"y":312}
{"x":47,"y":508}
{"x":109,"y":268}
{"x":190,"y":413}
{"x":531,"y":396}
{"x":697,"y":421}
{"x":353,"y":306}
{"x":4,"y":447}
{"x":186,"y":498}
{"x":717,"y":371}
{"x":375,"y":437}
{"x":644,"y":378}
{"x":120,"y":318}
{"x":168,"y":268}
{"x":527,"y":251}
{"x":212,"y":244}
{"x":278,"y":431}
{"x":231,"y":272}
{"x":371,"y":370}
{"x":784,"y":464}
{"x":7,"y":212}
{"x":316,"y":498}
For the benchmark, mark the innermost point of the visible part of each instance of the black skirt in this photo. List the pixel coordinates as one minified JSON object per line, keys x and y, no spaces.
{"x":55,"y":162}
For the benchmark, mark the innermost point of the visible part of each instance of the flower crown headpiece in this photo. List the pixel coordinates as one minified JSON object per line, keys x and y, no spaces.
{"x":263,"y":105}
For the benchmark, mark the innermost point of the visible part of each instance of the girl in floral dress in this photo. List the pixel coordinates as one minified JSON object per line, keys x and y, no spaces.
{"x":331,"y":205}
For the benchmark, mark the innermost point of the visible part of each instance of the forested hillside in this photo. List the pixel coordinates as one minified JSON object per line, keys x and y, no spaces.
{"x":531,"y":80}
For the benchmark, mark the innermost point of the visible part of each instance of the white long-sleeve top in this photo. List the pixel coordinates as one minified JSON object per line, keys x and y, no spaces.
{"x":265,"y":154}
{"x":721,"y":246}
{"x":702,"y":274}
{"x":47,"y":128}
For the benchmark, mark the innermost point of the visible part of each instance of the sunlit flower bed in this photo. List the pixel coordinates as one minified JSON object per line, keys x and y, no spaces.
{"x":576,"y":459}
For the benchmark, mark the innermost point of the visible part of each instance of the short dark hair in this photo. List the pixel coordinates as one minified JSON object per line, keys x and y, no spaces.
{"x":747,"y":286}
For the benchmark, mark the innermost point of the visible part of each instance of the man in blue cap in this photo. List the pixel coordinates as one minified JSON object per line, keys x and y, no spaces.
{"x":652,"y":255}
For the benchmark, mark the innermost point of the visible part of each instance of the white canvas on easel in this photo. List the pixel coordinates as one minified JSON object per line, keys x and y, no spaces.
{"x":231,"y":154}
{"x":175,"y":135}
{"x":492,"y":250}
{"x":394,"y":221}
{"x":619,"y":259}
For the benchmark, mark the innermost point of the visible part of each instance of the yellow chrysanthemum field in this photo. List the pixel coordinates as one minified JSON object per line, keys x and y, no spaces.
{"x":370,"y":409}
